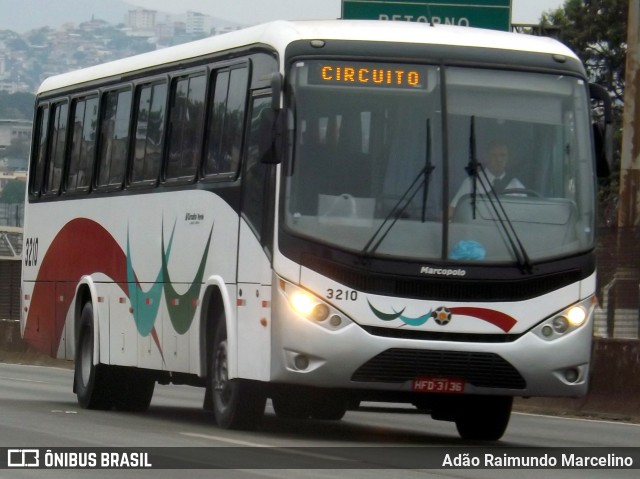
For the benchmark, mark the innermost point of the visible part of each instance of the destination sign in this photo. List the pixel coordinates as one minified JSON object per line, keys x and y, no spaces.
{"x":377,"y":75}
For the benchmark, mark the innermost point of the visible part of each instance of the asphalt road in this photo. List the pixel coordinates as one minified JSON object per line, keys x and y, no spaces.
{"x":38,"y":410}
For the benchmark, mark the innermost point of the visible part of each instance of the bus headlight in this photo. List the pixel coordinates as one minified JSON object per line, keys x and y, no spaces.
{"x":305,"y":304}
{"x":313,"y":308}
{"x":576,"y":315}
{"x":301,"y":302}
{"x":560,"y":324}
{"x":566,"y":321}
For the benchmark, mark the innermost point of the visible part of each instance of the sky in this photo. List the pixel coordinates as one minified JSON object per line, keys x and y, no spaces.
{"x":255,"y":11}
{"x":23,"y":15}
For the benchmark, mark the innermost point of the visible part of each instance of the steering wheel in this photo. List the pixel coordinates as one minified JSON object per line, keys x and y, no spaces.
{"x":521,"y":192}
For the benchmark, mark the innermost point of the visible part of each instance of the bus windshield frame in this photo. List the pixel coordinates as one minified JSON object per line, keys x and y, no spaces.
{"x":399,"y":155}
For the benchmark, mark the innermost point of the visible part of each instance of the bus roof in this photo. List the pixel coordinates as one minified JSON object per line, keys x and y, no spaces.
{"x":279,"y":34}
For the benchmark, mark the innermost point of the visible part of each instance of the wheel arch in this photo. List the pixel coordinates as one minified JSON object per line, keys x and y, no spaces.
{"x":217,"y":303}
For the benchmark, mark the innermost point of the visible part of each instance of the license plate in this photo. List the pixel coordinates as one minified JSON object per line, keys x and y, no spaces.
{"x":444,"y":385}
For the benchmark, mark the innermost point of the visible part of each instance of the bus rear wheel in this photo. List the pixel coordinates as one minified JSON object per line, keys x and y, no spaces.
{"x":237,"y":403}
{"x":100,"y":386}
{"x":483,"y":418}
{"x":93,"y":383}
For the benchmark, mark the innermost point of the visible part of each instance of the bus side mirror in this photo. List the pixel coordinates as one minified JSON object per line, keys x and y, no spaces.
{"x":602,"y":131}
{"x":271,"y":125}
{"x":276,"y":90}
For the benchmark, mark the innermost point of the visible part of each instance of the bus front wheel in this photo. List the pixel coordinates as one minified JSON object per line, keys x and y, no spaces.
{"x":237,"y":403}
{"x":484,"y":418}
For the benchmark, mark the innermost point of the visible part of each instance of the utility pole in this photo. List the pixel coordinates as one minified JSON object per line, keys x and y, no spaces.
{"x":629,"y":205}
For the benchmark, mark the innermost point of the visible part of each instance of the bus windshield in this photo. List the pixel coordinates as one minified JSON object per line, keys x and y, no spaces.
{"x":422,"y":162}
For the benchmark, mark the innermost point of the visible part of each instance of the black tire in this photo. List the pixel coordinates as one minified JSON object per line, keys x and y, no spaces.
{"x":237,"y":404}
{"x":484,"y":418}
{"x":93,"y":384}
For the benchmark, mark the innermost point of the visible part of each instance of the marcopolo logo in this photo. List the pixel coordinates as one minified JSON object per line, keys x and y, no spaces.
{"x":428,"y":270}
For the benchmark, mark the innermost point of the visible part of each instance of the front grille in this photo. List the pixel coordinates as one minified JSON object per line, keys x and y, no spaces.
{"x":480,"y":369}
{"x":404,"y":333}
{"x":443,"y":289}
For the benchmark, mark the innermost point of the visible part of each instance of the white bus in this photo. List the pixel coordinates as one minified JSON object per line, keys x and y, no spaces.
{"x":268,"y":214}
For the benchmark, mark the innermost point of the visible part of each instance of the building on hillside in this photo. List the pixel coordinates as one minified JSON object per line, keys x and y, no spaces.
{"x":198,"y":24}
{"x":12,"y":131}
{"x":142,"y":20}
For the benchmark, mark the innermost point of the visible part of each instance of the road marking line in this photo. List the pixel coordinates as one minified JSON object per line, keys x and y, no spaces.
{"x":603,"y":421}
{"x":255,"y":444}
{"x":224,"y":439}
{"x":22,"y":380}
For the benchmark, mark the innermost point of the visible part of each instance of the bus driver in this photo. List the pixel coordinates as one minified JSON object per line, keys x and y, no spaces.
{"x":496,"y":173}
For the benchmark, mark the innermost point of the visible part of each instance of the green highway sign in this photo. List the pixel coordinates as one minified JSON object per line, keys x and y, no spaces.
{"x":493,"y":14}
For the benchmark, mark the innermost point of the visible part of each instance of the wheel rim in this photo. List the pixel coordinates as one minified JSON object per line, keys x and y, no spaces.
{"x":221,"y":386}
{"x":86,"y":358}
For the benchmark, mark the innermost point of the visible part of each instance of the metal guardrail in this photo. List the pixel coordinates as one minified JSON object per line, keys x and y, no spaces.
{"x":10,"y":242}
{"x":619,"y":322}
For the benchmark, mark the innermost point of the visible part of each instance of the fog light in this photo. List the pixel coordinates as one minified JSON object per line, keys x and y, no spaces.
{"x":560,"y":324}
{"x":547,"y":331}
{"x":335,"y":321}
{"x":301,"y":362}
{"x":572,"y":375}
{"x":320,"y":312}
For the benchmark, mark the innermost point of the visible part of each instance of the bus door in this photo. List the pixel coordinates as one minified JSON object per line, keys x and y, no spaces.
{"x":254,"y":251}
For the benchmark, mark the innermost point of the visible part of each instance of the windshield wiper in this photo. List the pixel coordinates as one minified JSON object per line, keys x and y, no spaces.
{"x":421,"y":179}
{"x":476,"y":169}
{"x":472,"y":166}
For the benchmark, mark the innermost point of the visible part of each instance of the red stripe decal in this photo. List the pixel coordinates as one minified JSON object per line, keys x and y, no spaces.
{"x":501,"y":320}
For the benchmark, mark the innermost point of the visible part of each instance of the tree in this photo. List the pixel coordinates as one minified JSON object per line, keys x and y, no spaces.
{"x":18,"y":149}
{"x":13,"y":192}
{"x":16,"y":106}
{"x":596,"y":30}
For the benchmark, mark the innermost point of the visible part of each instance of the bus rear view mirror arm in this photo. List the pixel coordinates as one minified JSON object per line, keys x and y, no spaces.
{"x":271,"y":128}
{"x":271,"y":125}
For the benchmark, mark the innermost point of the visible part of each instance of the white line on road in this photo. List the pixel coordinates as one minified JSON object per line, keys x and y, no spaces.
{"x":255,"y":444}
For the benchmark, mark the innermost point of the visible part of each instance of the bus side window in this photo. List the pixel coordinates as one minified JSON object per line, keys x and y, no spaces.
{"x":149,"y":133}
{"x":40,"y":150}
{"x":57,"y":147}
{"x":226,"y":122}
{"x":114,"y":138}
{"x":82,"y":155}
{"x":185,"y":127}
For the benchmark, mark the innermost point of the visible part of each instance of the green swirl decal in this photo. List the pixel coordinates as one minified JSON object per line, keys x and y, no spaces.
{"x":419,"y":321}
{"x":181,"y":306}
{"x":144,"y":318}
